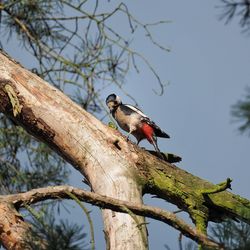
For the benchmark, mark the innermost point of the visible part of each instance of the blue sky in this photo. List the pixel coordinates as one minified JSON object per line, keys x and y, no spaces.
{"x":208,"y":71}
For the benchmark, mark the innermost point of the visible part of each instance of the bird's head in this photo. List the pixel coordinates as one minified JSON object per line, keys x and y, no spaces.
{"x":113,"y":101}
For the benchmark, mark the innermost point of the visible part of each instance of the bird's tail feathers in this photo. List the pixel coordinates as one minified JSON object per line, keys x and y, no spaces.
{"x":159,"y":133}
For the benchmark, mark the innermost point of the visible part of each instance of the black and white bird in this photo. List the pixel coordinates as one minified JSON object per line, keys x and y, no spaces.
{"x":134,"y":121}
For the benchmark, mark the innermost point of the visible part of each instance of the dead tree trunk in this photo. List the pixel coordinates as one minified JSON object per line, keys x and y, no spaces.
{"x":113,"y":166}
{"x":82,"y":140}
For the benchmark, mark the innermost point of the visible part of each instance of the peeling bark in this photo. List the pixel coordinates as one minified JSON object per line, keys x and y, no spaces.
{"x":13,"y":230}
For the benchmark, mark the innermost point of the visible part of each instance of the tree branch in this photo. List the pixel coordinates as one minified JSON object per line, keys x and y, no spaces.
{"x":218,"y":188}
{"x":62,"y":192}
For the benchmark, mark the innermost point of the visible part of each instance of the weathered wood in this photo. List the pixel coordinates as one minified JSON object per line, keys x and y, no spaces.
{"x":82,"y":140}
{"x":13,"y":230}
{"x":113,"y":166}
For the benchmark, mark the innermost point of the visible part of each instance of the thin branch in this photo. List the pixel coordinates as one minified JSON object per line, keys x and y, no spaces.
{"x":59,"y":192}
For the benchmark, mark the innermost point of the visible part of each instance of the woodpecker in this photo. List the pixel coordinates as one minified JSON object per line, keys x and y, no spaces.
{"x":134,"y":121}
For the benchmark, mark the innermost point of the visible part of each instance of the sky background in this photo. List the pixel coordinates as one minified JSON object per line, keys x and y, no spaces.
{"x":207,"y":72}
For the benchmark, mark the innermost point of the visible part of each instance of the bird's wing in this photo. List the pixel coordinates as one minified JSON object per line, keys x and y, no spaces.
{"x":129,"y":109}
{"x":132,"y":108}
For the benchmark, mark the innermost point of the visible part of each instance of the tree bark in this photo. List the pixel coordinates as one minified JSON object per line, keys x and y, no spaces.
{"x":83,"y":141}
{"x":13,"y":230}
{"x":113,"y":166}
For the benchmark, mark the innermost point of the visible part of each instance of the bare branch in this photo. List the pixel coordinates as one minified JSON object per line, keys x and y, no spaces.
{"x":62,"y":192}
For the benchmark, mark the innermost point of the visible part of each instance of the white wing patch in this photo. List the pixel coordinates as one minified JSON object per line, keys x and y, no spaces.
{"x":136,"y":110}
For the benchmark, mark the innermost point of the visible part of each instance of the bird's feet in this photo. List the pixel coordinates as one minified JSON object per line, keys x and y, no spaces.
{"x":127,"y":137}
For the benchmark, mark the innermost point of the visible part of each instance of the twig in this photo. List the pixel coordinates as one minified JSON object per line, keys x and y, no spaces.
{"x":88,"y":217}
{"x":219,"y":187}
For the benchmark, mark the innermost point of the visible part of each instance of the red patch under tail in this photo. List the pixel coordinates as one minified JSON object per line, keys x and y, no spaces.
{"x":148,"y":131}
